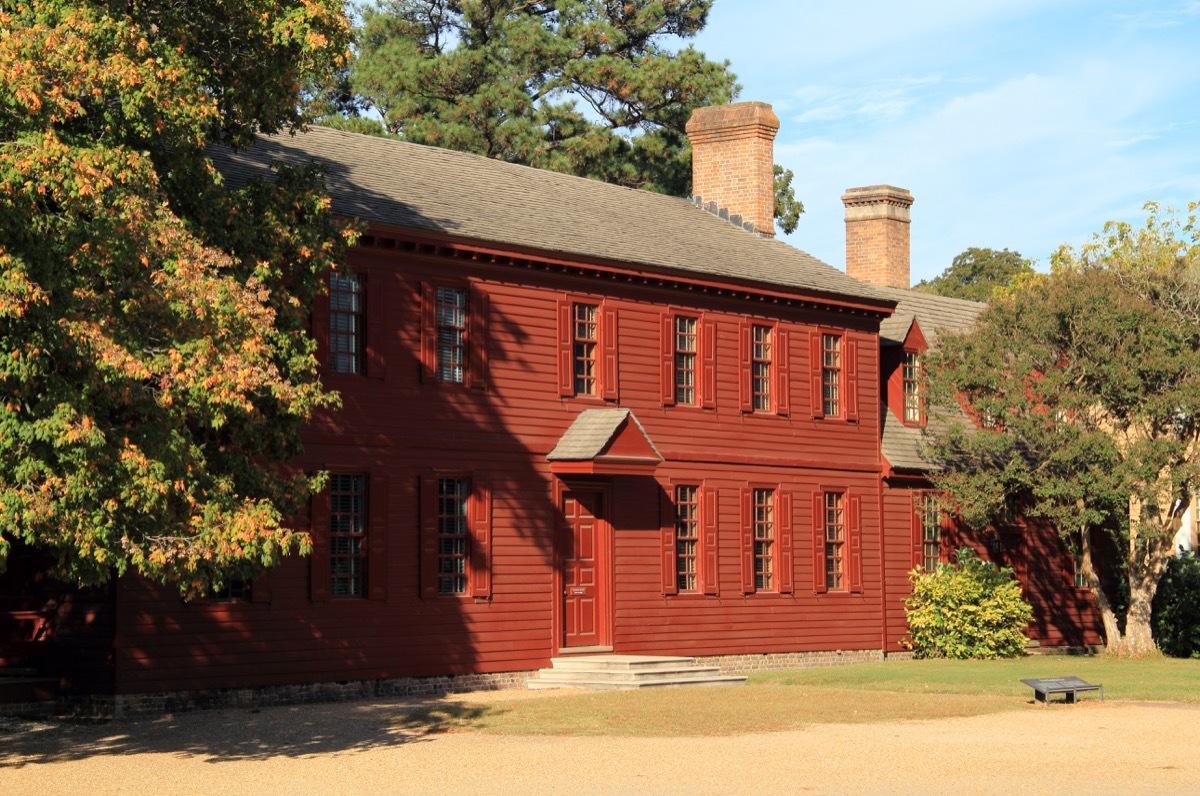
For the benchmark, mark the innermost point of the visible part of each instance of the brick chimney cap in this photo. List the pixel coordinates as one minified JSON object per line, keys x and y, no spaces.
{"x":715,"y":119}
{"x":877,"y":193}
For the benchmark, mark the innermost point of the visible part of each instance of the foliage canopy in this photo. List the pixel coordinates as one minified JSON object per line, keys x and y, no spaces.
{"x":583,"y":87}
{"x":977,"y":274}
{"x":1090,"y":380}
{"x":153,"y":362}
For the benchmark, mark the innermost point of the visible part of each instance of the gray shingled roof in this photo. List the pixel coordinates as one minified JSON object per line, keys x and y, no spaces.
{"x":437,"y":190}
{"x":590,"y":432}
{"x":901,"y":445}
{"x":933,"y":313}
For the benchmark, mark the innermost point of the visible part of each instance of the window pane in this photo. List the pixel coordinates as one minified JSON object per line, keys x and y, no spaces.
{"x":831,"y":374}
{"x":835,"y":541}
{"x":685,"y":360}
{"x":345,"y":322}
{"x":451,"y":334}
{"x":347,"y":530}
{"x":760,"y":367}
{"x":687,"y":536}
{"x":763,"y":501}
{"x":584,"y":348}
{"x":453,"y":541}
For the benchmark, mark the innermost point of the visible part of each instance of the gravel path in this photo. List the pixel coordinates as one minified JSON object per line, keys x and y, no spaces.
{"x":1090,"y":748}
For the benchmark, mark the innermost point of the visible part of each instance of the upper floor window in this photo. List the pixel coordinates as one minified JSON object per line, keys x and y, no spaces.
{"x":930,"y":512}
{"x":914,"y":403}
{"x":346,"y":316}
{"x":451,"y":334}
{"x":761,"y":358}
{"x":687,"y":538}
{"x":454,"y":335}
{"x":831,"y":375}
{"x":585,"y":337}
{"x":587,"y":350}
{"x":453,"y":538}
{"x":347,"y":534}
{"x":688,"y":367}
{"x":686,"y":346}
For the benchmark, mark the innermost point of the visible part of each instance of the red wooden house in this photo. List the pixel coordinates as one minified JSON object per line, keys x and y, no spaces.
{"x":577,"y":418}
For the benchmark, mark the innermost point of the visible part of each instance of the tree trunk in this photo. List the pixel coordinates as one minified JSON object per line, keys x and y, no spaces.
{"x":1150,"y":548}
{"x":1112,"y":632}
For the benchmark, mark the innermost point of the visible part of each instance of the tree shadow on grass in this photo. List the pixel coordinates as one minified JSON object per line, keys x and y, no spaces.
{"x":242,"y":734}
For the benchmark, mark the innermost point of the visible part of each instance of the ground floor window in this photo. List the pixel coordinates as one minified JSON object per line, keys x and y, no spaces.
{"x":764,"y":539}
{"x":687,"y":538}
{"x":835,"y":541}
{"x":931,"y":531}
{"x":453,"y":535}
{"x":347,"y":534}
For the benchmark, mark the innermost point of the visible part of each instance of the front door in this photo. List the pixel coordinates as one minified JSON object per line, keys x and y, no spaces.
{"x":584,"y":556}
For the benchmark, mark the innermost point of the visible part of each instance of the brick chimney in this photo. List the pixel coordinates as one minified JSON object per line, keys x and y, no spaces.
{"x":877,"y":238}
{"x":733,"y":160}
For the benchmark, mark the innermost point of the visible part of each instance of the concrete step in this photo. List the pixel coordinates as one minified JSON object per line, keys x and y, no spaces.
{"x":613,"y":672}
{"x":621,"y":663}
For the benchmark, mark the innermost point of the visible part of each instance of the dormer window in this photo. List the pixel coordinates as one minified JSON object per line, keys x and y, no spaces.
{"x":914,"y":400}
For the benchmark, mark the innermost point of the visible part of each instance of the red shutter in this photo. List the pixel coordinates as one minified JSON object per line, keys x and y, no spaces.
{"x":815,"y":363}
{"x":429,"y":536}
{"x":784,"y":538}
{"x":667,"y":361}
{"x":566,"y":362}
{"x":377,"y":537}
{"x":747,"y":540}
{"x":319,"y":561}
{"x":819,"y":585}
{"x":851,"y":380}
{"x":667,"y":528}
{"x":708,"y":365}
{"x":481,"y":539}
{"x":376,"y":337}
{"x":428,"y":333}
{"x":608,"y":377}
{"x":918,"y":542}
{"x":745,"y":371}
{"x":477,"y":340}
{"x":854,"y":544}
{"x":710,"y":522}
{"x":783,"y":377}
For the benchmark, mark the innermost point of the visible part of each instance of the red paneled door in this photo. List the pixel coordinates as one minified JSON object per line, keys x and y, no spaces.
{"x":584,"y":597}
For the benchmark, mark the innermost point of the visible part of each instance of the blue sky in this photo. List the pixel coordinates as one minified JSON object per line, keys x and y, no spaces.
{"x":1023,"y":124}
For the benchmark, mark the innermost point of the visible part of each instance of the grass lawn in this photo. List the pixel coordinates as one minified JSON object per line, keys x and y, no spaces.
{"x":792,"y":699}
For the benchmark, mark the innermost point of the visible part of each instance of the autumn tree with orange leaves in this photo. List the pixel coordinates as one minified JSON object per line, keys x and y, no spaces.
{"x":154,"y":368}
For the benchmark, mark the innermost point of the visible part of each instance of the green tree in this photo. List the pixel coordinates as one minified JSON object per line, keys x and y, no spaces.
{"x":583,"y":87}
{"x":154,"y":369}
{"x":1091,"y":392}
{"x":977,"y":274}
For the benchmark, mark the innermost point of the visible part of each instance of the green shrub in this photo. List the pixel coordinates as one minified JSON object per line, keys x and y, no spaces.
{"x":1176,"y":616}
{"x":968,"y":609}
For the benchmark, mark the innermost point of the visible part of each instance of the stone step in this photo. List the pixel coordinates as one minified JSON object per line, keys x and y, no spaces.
{"x":620,"y":662}
{"x":537,"y":683}
{"x":611,"y":672}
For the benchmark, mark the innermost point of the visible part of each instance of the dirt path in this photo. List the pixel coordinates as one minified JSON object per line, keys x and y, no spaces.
{"x":351,"y":748}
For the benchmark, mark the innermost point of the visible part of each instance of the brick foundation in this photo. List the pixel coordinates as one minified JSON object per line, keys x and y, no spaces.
{"x":134,"y":706}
